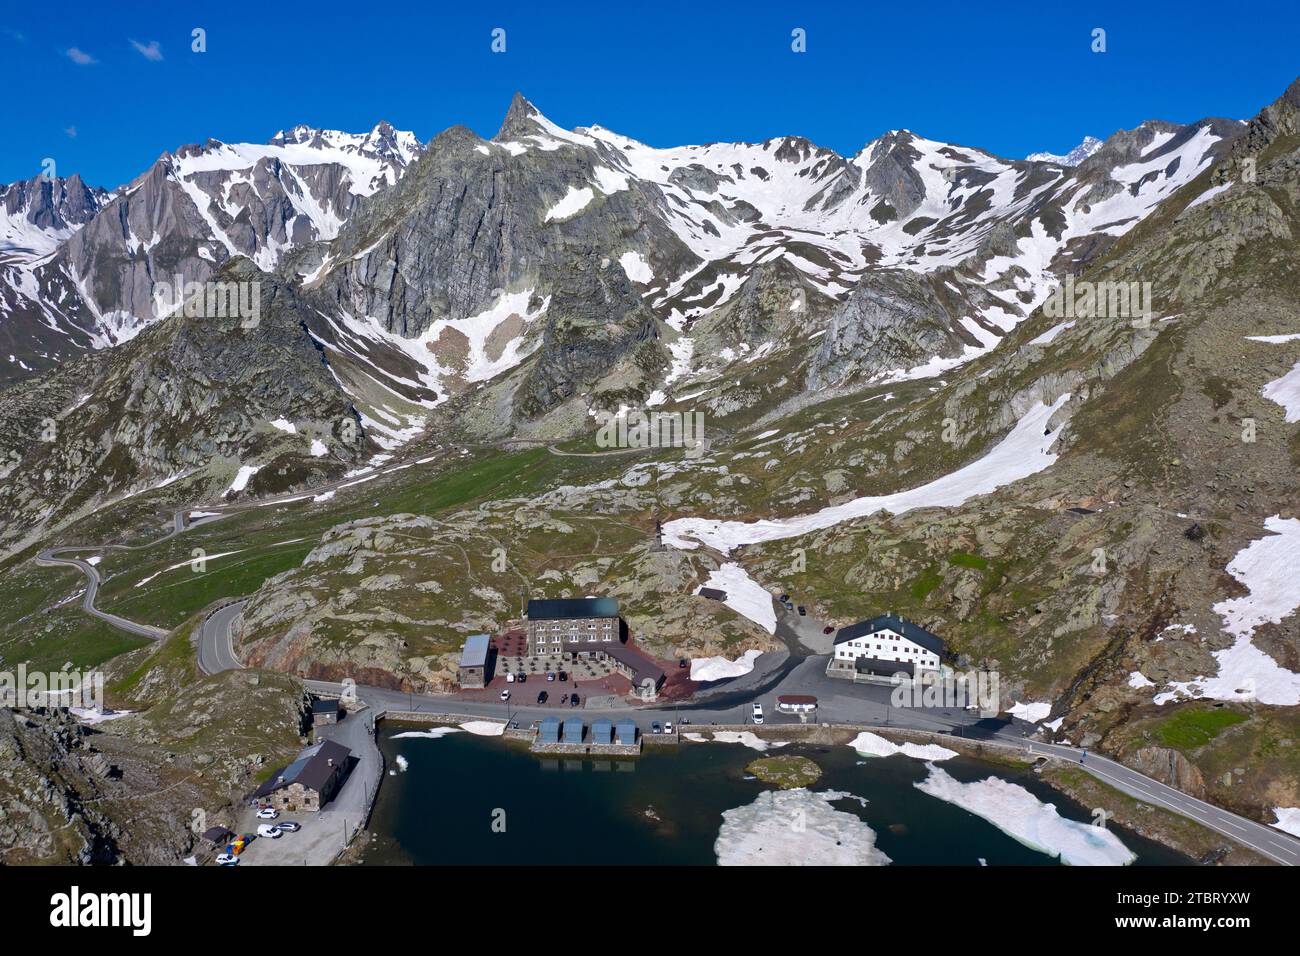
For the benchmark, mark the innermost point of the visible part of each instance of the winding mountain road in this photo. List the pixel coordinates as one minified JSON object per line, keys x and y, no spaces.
{"x":48,"y":559}
{"x":839,"y":702}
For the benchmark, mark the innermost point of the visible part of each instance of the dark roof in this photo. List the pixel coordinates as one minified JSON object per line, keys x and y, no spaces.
{"x":324,"y":706}
{"x":475,"y":651}
{"x":312,"y":769}
{"x":796,"y":699}
{"x":913,"y":632}
{"x":886,"y":668}
{"x":1081,"y":511}
{"x":217,"y":834}
{"x":713,"y":594}
{"x":643,"y":668}
{"x":563,"y":608}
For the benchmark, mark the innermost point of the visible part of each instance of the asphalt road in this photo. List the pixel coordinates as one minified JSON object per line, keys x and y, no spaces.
{"x":839,"y":702}
{"x":92,"y":589}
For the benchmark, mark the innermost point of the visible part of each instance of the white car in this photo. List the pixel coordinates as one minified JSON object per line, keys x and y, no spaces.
{"x":269,"y":830}
{"x":668,"y":726}
{"x":505,"y":695}
{"x":267,"y":813}
{"x":227,"y":859}
{"x":758,"y":712}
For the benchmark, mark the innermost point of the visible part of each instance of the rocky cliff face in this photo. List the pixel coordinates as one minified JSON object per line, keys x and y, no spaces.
{"x":190,"y":401}
{"x":190,"y":212}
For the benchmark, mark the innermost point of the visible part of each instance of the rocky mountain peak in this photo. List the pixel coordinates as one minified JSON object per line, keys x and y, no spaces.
{"x":1074,"y":157}
{"x":522,"y":119}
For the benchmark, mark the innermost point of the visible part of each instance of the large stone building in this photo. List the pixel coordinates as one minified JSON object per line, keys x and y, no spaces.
{"x":309,"y":782}
{"x":573,"y":625}
{"x":885,"y":646}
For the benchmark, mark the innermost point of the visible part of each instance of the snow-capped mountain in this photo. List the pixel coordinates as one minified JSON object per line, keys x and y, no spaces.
{"x":187,"y":214}
{"x":906,"y":259}
{"x":1074,"y":157}
{"x":725,"y":253}
{"x":37,"y":214}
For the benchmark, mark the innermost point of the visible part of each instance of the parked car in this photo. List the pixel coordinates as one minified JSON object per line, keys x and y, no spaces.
{"x":510,"y":678}
{"x":784,"y":598}
{"x":550,"y":675}
{"x":803,"y":611}
{"x":656,"y":727}
{"x":788,"y":605}
{"x":758,"y":712}
{"x":521,"y":679}
{"x":269,"y":830}
{"x":828,"y":629}
{"x":573,"y":701}
{"x":289,"y":826}
{"x":681,"y":662}
{"x":668,"y":726}
{"x":227,"y":859}
{"x":564,"y":675}
{"x":542,"y":697}
{"x":505,"y":695}
{"x":267,"y":813}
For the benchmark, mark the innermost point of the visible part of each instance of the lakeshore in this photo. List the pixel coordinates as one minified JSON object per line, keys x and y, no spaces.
{"x":510,"y":806}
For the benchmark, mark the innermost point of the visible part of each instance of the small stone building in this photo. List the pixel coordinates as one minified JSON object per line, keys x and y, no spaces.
{"x":324,"y":713}
{"x":472,"y":672}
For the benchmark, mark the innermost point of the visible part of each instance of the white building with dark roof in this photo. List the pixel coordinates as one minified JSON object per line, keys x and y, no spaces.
{"x":885,"y":646}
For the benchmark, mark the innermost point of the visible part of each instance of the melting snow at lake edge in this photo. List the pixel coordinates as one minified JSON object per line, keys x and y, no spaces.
{"x":1021,"y":815}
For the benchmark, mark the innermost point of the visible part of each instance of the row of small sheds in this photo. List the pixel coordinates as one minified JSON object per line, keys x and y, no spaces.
{"x":553,"y":730}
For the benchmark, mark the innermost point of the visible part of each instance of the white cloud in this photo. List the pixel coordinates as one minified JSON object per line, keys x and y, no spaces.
{"x":150,"y":50}
{"x":80,"y":57}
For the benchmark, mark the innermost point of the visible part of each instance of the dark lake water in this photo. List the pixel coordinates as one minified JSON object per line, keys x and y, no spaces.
{"x":666,"y":806}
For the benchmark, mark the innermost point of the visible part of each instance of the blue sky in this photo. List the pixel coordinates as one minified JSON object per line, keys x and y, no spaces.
{"x":1011,"y":78}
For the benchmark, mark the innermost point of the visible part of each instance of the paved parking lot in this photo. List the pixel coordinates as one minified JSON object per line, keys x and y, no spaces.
{"x":325,"y":833}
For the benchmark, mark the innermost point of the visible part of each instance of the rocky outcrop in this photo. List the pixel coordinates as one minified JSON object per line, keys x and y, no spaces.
{"x":1169,"y":767}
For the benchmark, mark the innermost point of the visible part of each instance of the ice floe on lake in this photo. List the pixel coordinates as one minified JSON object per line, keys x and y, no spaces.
{"x":873,"y":745}
{"x":747,"y":738}
{"x":433,"y":733}
{"x":796,"y":828}
{"x":484,"y":728}
{"x":1023,"y":817}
